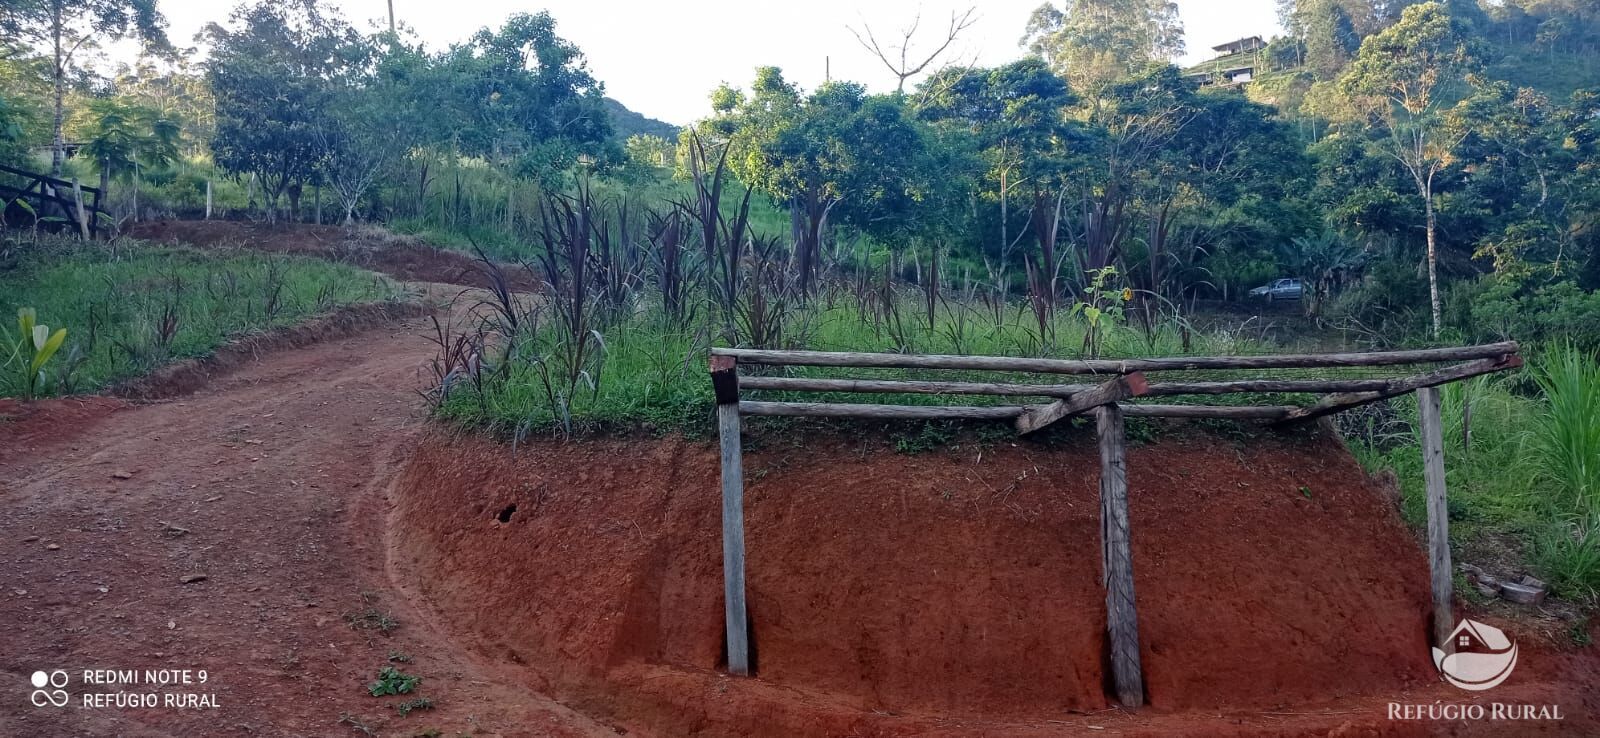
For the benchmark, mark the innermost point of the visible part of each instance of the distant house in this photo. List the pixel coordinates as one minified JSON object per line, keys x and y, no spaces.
{"x":1243,"y":45}
{"x":1235,"y":63}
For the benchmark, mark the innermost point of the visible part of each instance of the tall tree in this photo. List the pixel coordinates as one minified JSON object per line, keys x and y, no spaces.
{"x":64,"y":27}
{"x":1095,"y":42}
{"x":1015,"y":113}
{"x":523,"y":96}
{"x":124,"y":137}
{"x":271,"y":74}
{"x":1330,"y":36}
{"x":1399,"y":81}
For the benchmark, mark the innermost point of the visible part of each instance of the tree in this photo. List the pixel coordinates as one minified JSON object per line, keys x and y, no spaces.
{"x":1399,"y":80}
{"x":66,"y":26}
{"x":1015,"y":113}
{"x":23,"y":101}
{"x":1232,"y":175}
{"x":1320,"y":260}
{"x":1095,"y":42}
{"x":272,"y":75}
{"x":1137,"y":120}
{"x":648,"y":151}
{"x":906,"y":66}
{"x":124,"y":137}
{"x":354,"y":143}
{"x":523,"y":96}
{"x":1330,"y":36}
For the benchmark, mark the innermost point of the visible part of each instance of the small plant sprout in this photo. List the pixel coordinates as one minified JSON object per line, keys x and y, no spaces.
{"x":31,"y":351}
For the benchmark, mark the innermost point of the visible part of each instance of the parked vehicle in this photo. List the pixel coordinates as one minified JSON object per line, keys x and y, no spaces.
{"x":1283,"y":289}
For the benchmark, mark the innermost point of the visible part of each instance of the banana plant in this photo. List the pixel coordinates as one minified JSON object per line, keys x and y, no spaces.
{"x":34,"y":346}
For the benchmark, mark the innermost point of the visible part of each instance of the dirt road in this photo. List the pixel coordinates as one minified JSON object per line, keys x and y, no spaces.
{"x":239,"y":531}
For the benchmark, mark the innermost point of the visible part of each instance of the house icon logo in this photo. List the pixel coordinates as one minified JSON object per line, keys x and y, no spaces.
{"x":1483,"y":657}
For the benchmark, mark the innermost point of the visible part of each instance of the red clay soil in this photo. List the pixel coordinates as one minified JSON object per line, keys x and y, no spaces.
{"x":270,"y":483}
{"x":951,"y":592}
{"x":401,"y":257}
{"x":938,"y":594}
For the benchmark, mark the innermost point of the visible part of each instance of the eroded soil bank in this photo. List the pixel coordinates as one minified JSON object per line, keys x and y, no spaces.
{"x":894,"y":592}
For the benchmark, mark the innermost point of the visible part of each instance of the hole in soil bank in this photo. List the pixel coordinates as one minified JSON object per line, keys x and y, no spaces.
{"x":505,"y":515}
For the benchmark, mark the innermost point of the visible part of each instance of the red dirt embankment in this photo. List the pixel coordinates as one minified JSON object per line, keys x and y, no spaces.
{"x":940,"y":587}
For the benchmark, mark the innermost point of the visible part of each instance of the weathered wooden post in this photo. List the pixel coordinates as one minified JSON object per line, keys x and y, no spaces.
{"x":77,"y":200}
{"x":208,"y":199}
{"x":725,"y":383}
{"x":1438,"y":515}
{"x":1122,"y":620}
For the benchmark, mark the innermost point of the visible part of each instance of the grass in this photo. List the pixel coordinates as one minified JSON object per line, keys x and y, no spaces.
{"x":142,"y":306}
{"x":653,"y":375}
{"x":1529,"y":473}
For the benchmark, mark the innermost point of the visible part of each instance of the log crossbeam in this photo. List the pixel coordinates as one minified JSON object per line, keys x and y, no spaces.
{"x":1121,"y":388}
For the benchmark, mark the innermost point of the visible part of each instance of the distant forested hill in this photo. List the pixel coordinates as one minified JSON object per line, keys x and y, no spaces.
{"x":627,"y":123}
{"x":1551,"y":46}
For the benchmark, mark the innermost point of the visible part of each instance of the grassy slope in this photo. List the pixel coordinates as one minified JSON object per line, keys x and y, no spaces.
{"x":1557,"y":76}
{"x":114,"y":307}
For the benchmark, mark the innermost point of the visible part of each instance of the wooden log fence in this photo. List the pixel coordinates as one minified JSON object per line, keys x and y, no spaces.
{"x":1110,"y":400}
{"x":43,"y":192}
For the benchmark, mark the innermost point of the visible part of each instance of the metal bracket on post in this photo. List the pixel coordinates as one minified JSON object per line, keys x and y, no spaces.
{"x":725,"y":383}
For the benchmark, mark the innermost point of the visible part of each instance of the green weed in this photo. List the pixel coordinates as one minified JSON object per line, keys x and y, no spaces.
{"x":392,"y":681}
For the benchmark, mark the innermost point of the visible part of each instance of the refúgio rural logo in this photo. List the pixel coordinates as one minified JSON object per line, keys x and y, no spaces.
{"x":1483,"y":657}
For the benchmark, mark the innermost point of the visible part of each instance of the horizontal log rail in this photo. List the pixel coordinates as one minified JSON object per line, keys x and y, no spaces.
{"x":1114,"y":366}
{"x":998,"y":412}
{"x":47,"y":179}
{"x":1340,"y":402}
{"x":919,"y":387}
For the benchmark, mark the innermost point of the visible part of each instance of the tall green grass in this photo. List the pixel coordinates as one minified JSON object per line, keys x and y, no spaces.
{"x":1531,"y":470}
{"x":1566,"y":440}
{"x":130,"y":311}
{"x":653,"y":373}
{"x":1567,"y":434}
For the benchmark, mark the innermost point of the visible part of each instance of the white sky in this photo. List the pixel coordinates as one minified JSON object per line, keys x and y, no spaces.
{"x":663,"y":58}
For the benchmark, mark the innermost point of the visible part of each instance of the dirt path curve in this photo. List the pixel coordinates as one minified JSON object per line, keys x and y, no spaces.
{"x":269,"y":483}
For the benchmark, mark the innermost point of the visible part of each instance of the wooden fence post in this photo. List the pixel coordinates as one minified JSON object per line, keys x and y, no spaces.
{"x":1122,"y":620}
{"x":208,"y":199}
{"x":1438,"y":515}
{"x":77,"y":200}
{"x":725,"y":383}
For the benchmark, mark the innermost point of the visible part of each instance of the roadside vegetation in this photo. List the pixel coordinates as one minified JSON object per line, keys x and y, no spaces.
{"x":131,"y":310}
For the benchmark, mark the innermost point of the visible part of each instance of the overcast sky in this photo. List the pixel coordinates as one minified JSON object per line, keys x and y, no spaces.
{"x":663,"y":58}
